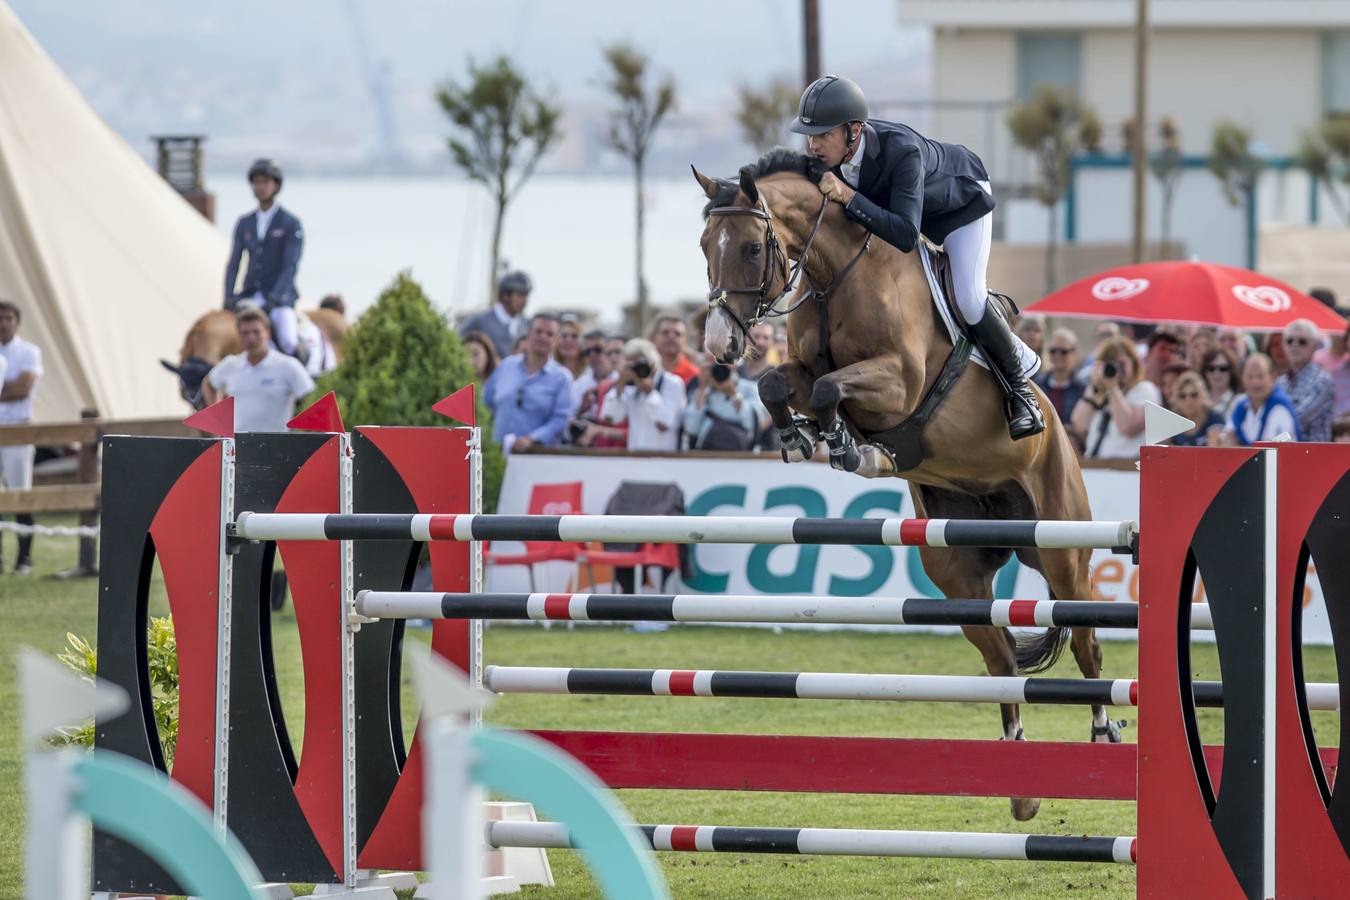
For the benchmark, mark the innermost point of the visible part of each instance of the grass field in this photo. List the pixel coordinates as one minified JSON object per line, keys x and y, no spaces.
{"x":39,"y":611}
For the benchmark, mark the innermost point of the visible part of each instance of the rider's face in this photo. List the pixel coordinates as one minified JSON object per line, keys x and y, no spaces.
{"x":265,"y":188}
{"x":831,"y":146}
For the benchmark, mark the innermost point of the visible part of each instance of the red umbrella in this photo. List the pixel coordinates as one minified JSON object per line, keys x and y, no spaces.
{"x":1191,"y":292}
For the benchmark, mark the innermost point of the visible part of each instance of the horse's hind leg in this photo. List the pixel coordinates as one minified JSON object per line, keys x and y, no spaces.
{"x":969,"y":573}
{"x":1067,"y":572}
{"x":778,"y":389}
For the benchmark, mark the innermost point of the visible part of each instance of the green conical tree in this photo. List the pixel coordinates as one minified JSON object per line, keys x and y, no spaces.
{"x":400,"y":358}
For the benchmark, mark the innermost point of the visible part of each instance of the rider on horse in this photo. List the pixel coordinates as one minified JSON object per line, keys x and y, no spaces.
{"x":273,"y":239}
{"x":898,"y":185}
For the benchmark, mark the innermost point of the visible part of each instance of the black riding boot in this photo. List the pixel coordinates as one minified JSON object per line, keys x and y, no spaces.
{"x":992,"y":336}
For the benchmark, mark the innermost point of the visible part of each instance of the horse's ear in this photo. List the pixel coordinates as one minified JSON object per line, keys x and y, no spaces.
{"x":748,"y":185}
{"x":170,"y":366}
{"x":709,"y":185}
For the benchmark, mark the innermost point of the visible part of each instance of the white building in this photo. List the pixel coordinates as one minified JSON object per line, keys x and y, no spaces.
{"x":1276,"y":68}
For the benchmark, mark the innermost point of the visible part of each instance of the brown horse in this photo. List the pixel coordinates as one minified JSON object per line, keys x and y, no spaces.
{"x":887,"y":346}
{"x":214,"y":337}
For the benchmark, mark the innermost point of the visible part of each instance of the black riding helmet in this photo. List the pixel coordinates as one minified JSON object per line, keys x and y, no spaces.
{"x":516,"y":282}
{"x":827,"y":103}
{"x":265,"y":167}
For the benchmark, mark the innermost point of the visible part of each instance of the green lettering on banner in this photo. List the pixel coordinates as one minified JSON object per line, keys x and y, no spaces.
{"x":883,"y":558}
{"x":702,"y":505}
{"x":802,"y":578}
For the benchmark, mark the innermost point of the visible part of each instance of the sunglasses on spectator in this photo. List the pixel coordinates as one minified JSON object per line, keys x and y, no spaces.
{"x":1217,"y":369}
{"x":1060,"y":351}
{"x":1189,"y":395}
{"x":593,"y":351}
{"x":1297,"y":341}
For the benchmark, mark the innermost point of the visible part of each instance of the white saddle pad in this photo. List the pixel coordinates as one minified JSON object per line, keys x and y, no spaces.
{"x":1031,"y":363}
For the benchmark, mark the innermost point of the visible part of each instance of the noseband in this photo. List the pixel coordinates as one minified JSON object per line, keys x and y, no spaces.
{"x":717,"y":297}
{"x":774,"y":253}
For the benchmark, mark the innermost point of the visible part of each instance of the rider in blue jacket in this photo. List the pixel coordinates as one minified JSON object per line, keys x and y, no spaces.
{"x":899,"y":185}
{"x":273,"y":239}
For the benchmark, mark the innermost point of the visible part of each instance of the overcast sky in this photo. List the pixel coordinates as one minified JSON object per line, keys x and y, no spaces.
{"x":249,"y":69}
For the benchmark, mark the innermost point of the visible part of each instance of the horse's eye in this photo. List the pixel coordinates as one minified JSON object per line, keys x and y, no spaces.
{"x":755,"y":248}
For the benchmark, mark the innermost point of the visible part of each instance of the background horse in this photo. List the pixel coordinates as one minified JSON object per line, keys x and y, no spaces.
{"x":214,"y":337}
{"x":886,"y":345}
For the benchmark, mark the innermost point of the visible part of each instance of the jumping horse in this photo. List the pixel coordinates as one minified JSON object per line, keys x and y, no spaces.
{"x":866,"y":348}
{"x":214,"y":336}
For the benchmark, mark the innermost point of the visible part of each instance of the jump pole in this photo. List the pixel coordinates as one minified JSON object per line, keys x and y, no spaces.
{"x":1048,"y":534}
{"x":753,"y":608}
{"x":850,"y":686}
{"x":840,"y":842}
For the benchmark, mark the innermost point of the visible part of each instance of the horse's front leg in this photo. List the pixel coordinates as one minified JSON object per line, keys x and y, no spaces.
{"x":874,"y":385}
{"x":779,"y":388}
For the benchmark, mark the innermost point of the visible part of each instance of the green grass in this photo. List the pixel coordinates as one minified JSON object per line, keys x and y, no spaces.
{"x":39,"y":611}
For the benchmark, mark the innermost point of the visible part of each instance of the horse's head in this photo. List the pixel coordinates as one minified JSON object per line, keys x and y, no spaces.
{"x":191,"y":373}
{"x":746,"y":244}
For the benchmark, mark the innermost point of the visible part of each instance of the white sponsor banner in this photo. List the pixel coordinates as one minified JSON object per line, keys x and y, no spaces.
{"x":767,"y":487}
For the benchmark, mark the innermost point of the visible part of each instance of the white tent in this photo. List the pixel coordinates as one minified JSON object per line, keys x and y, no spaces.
{"x":107,"y":263}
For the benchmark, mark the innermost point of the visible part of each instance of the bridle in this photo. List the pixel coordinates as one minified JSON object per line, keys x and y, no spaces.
{"x":774,"y":253}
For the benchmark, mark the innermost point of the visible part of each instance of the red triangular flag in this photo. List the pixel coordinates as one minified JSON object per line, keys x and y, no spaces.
{"x":217,"y":419}
{"x":323,"y":416}
{"x":459,"y":406}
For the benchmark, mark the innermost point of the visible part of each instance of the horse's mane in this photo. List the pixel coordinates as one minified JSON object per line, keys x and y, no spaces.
{"x":779,"y":159}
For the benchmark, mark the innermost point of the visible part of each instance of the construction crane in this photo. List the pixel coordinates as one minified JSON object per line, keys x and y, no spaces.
{"x":386,"y":155}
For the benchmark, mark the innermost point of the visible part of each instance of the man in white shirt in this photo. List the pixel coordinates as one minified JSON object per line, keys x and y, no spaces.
{"x":20,"y":374}
{"x":651,"y":399}
{"x":265,"y":383}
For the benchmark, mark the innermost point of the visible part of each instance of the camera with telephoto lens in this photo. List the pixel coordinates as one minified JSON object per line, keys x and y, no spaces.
{"x":1109,"y":370}
{"x":720,"y":372}
{"x":642,"y":369}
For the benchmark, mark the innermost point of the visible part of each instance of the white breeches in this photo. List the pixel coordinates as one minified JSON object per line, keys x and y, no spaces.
{"x":968,"y":252}
{"x":284,"y":328}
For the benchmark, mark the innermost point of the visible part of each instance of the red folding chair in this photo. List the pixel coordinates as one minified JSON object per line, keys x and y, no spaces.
{"x":561,"y":499}
{"x":639,"y":560}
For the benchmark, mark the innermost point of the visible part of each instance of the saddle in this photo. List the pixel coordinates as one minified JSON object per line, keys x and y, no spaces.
{"x":905,"y":441}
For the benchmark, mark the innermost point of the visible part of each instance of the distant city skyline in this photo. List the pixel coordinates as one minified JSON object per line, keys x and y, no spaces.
{"x":298,"y":81}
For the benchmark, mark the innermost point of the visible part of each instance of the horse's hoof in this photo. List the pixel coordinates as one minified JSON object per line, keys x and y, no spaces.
{"x":795,"y":454}
{"x":876,"y":463}
{"x":1108,"y":733}
{"x":1024,"y":809}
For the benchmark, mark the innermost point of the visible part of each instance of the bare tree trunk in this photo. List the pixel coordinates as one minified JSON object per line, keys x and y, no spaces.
{"x":498,"y":219}
{"x":1050,"y":240}
{"x":640,"y":296}
{"x":1166,"y":221}
{"x":811,"y":40}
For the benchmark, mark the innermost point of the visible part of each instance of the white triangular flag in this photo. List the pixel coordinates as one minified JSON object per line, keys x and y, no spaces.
{"x":444,"y":690}
{"x":52,"y":696}
{"x":1161,"y":424}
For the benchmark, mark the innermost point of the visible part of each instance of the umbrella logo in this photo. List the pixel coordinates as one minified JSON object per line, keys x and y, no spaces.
{"x":1265,"y":298}
{"x":1117,"y":288}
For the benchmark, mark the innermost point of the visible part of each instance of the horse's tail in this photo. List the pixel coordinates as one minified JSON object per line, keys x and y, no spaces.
{"x":1037,"y":653}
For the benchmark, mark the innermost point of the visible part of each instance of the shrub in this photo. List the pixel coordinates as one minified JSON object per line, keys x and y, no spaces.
{"x":162,"y":656}
{"x":400,"y":358}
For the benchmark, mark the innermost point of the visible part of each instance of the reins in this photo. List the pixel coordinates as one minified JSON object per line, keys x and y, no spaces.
{"x":717,"y":297}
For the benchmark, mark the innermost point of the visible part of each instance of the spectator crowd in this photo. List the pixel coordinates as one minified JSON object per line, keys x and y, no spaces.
{"x":547,"y":383}
{"x":1237,"y":388}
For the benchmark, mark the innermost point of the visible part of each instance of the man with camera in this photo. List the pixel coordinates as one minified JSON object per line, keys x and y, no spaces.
{"x":1109,"y":417}
{"x":649,"y":398}
{"x":724,"y":411}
